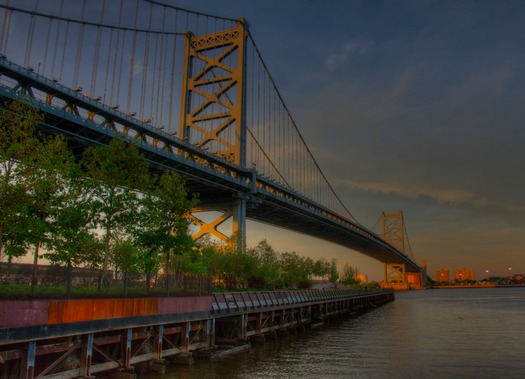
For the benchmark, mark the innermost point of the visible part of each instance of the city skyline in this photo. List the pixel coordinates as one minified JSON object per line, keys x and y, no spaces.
{"x":412,"y":106}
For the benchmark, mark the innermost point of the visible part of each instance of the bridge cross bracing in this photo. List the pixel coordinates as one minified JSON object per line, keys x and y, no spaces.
{"x":172,"y":81}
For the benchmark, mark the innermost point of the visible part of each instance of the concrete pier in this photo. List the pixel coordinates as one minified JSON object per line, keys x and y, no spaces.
{"x":80,"y":338}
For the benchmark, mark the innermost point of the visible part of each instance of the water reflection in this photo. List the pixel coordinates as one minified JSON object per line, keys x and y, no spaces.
{"x":473,"y":333}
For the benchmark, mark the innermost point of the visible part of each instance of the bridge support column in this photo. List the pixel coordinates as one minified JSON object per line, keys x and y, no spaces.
{"x":395,"y":273}
{"x":28,"y":362}
{"x":239,"y":223}
{"x":213,"y":113}
{"x":237,"y":212}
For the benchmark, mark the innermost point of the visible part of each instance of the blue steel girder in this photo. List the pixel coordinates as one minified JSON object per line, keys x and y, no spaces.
{"x":216,"y":180}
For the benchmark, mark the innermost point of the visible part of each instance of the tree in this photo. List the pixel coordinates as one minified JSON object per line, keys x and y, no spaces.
{"x":119,"y":171}
{"x":50,"y":187}
{"x":296,"y":270}
{"x":74,"y":242}
{"x":349,"y":276}
{"x":18,"y":146}
{"x":334,"y":274}
{"x":126,"y":256}
{"x":321,"y":268}
{"x":35,"y":170}
{"x":268,"y":270}
{"x":164,"y":229}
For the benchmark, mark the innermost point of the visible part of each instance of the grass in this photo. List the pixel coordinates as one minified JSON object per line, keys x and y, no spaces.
{"x":23,"y":291}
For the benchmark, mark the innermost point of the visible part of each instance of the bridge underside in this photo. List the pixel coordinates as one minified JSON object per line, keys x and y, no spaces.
{"x":218,"y":183}
{"x":267,"y":210}
{"x":217,"y":193}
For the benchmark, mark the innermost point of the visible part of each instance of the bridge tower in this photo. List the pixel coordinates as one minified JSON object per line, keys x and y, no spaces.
{"x":394,"y":234}
{"x":213,"y":114}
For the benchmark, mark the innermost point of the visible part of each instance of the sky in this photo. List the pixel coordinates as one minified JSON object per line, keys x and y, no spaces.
{"x":406,"y":105}
{"x":415,"y":106}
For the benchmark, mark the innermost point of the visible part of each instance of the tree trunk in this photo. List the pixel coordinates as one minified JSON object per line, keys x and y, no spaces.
{"x":1,"y":241}
{"x":107,"y":240}
{"x":33,"y":273}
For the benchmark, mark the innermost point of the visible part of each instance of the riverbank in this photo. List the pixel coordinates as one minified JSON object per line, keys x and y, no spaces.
{"x":79,"y":338}
{"x":475,"y":333}
{"x":481,"y":286}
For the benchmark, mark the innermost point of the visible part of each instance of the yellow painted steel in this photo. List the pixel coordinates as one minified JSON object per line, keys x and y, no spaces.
{"x":393,"y":230}
{"x":395,"y":273}
{"x":211,"y":227}
{"x":394,"y":234}
{"x":212,"y":110}
{"x":218,"y":76}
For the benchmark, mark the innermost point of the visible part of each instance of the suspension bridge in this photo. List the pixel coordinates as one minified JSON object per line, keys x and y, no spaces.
{"x":194,"y":93}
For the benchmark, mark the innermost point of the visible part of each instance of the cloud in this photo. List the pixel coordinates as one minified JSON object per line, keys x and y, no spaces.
{"x":440,"y":196}
{"x":356,"y":47}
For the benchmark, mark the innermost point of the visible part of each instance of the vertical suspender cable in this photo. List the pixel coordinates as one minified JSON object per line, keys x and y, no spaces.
{"x":264,"y":124}
{"x":55,"y":47}
{"x":154,"y":85}
{"x":114,"y":76}
{"x":96,"y":55}
{"x":46,"y":48}
{"x":30,"y":34}
{"x":132,"y":61}
{"x":108,"y":64}
{"x":274,"y":133}
{"x":282,"y":146}
{"x":66,"y":36}
{"x":5,"y":30}
{"x":79,"y":46}
{"x":162,"y":72}
{"x":119,"y":78}
{"x":172,"y":74}
{"x":253,"y":99}
{"x":145,"y":67}
{"x":259,"y":113}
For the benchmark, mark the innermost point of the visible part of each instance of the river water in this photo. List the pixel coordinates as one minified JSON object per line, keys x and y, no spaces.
{"x":445,"y":333}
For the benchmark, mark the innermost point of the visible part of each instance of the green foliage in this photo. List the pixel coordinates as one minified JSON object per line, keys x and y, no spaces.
{"x":164,"y":229}
{"x":18,"y":146}
{"x":118,"y":171}
{"x":334,"y":274}
{"x":47,"y":199}
{"x":349,"y":275}
{"x":321,"y":268}
{"x":34,"y":171}
{"x":295,"y":270}
{"x":73,"y":242}
{"x":268,"y":271}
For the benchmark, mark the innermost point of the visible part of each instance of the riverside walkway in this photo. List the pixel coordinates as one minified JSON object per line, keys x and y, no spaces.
{"x":74,"y":338}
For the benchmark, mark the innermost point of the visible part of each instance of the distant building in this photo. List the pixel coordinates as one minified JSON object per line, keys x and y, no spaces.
{"x":443,"y":276}
{"x":464,"y":274}
{"x":517,"y":279}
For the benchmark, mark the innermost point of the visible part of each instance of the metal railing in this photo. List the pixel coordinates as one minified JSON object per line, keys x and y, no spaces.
{"x":242,"y":301}
{"x":35,"y":281}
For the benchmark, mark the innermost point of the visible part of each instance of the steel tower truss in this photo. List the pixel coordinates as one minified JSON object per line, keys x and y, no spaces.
{"x":213,"y":112}
{"x":394,"y":234}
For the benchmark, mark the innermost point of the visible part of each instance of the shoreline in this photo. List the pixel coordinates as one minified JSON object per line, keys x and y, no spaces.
{"x":481,"y":286}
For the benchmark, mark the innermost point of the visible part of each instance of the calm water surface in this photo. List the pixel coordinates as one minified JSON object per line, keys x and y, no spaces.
{"x":467,"y":333}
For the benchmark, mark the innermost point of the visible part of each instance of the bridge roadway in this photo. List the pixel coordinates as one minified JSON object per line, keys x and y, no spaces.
{"x":85,"y":121}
